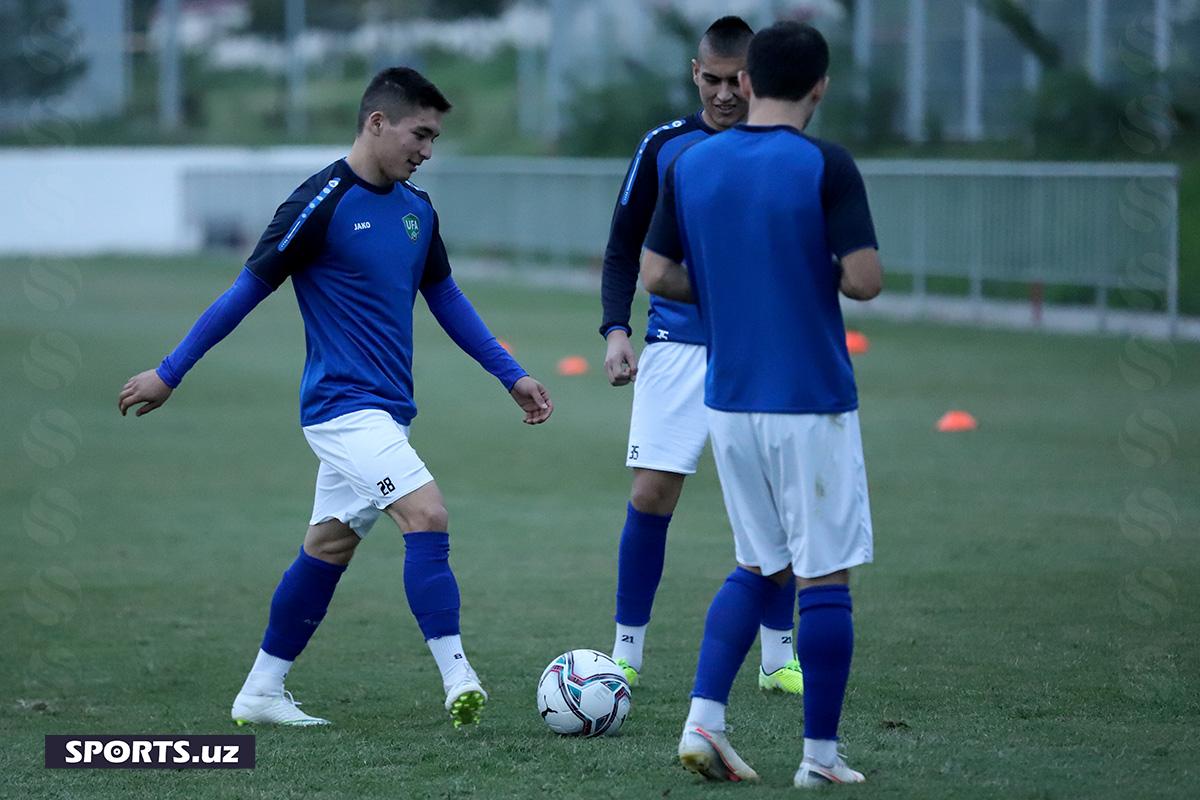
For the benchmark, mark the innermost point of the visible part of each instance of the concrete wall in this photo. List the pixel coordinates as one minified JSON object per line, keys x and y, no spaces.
{"x":95,"y":200}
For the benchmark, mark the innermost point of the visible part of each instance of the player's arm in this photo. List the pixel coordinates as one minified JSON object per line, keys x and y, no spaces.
{"x":618,"y":279}
{"x":285,"y":246}
{"x":862,"y":274}
{"x":848,"y":226}
{"x":662,"y":268}
{"x":456,"y":315}
{"x":665,"y":277}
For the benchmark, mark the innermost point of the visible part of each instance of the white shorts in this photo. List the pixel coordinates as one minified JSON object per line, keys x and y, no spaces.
{"x":795,"y":489}
{"x":367,"y":464}
{"x":668,"y":427}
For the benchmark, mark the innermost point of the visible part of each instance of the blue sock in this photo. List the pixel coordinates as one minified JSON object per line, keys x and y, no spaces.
{"x":299,"y":605}
{"x":825,"y":645}
{"x":429,"y":584}
{"x":640,"y":565}
{"x":781,"y":611}
{"x":729,"y":630}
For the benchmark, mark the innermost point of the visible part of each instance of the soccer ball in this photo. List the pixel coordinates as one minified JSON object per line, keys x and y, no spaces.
{"x":583,"y":693}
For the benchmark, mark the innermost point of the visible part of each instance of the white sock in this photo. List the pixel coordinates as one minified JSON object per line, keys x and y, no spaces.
{"x":629,"y":644}
{"x":777,"y":649}
{"x":451,"y":661}
{"x":708,"y":714}
{"x":267,"y":674}
{"x":822,"y":751}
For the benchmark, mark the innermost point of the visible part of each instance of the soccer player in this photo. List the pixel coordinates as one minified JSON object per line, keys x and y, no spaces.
{"x":359,"y":241}
{"x":772,"y":224}
{"x":667,"y":429}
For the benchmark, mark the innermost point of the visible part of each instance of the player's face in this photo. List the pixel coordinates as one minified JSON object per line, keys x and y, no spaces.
{"x":720,"y":95}
{"x":404,"y":144}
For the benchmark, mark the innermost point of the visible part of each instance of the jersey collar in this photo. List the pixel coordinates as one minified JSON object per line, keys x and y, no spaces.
{"x":742,"y":126}
{"x":370,"y":187}
{"x":702,"y":125}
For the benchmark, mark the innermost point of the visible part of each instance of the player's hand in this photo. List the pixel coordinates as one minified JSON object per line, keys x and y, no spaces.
{"x":146,"y":388}
{"x":620,"y":362}
{"x":533,"y":399}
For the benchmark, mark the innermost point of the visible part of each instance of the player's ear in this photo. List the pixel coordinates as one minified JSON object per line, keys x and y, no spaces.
{"x":695,"y":72}
{"x":744,"y":84}
{"x":819,"y":90}
{"x":374,"y":124}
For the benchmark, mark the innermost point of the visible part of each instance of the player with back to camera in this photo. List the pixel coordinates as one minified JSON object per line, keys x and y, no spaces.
{"x":771,"y":224}
{"x":667,"y":428}
{"x":359,"y":241}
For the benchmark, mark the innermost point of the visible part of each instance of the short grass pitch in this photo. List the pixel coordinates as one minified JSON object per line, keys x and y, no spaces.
{"x":1031,"y":627}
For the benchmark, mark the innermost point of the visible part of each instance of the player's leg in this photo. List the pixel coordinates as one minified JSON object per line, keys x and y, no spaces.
{"x":763,"y":557}
{"x":825,"y":644}
{"x":729,"y":631}
{"x":667,"y":432}
{"x":433,"y":596}
{"x":821,"y":488}
{"x":779,"y":669}
{"x":301,"y":600}
{"x":640,"y":558}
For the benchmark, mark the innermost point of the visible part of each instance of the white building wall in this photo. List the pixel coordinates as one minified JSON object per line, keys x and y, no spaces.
{"x":96,"y":200}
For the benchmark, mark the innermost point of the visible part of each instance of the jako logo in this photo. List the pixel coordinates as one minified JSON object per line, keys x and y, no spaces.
{"x":361,"y":226}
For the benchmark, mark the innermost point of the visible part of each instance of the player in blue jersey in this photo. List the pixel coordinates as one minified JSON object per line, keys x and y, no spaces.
{"x":667,"y":428}
{"x":359,"y":241}
{"x":771,"y":225}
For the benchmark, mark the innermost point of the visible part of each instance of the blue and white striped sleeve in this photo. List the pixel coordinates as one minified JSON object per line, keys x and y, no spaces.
{"x":297,"y":232}
{"x":630,"y":221}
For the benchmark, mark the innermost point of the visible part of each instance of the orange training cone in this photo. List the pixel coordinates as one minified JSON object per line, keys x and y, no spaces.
{"x":572,"y":365}
{"x":857,"y":343}
{"x":955,"y":421}
{"x":507,"y":347}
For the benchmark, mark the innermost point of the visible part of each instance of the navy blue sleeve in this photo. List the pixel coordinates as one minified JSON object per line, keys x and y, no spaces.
{"x":296,"y":234}
{"x":663,"y":237}
{"x":214,"y":325}
{"x":848,"y":225}
{"x":458,"y":318}
{"x":437,"y":263}
{"x":630,"y":221}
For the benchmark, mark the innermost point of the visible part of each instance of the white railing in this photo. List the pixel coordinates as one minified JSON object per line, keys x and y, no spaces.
{"x":1097,"y":225}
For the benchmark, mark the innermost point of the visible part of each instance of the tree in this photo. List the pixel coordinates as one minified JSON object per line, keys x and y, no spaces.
{"x":1017,"y":19}
{"x":41,"y":57}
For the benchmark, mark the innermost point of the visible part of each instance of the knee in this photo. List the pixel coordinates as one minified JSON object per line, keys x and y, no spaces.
{"x":655,"y":492}
{"x":425,"y":517}
{"x":337,"y":550}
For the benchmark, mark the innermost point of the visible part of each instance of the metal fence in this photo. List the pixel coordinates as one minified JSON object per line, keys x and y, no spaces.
{"x":1101,"y":226}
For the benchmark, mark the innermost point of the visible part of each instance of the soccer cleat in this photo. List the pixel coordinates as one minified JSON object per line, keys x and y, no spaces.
{"x":465,"y":700}
{"x":709,"y":753}
{"x":811,"y":774}
{"x":788,"y":679}
{"x":271,"y":709}
{"x":631,"y":674}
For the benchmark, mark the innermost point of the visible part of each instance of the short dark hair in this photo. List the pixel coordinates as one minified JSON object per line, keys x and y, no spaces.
{"x":398,"y":91}
{"x":786,"y":60}
{"x":728,"y":37}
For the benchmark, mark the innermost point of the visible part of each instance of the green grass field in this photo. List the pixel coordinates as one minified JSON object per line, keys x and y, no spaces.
{"x":1030,"y":629}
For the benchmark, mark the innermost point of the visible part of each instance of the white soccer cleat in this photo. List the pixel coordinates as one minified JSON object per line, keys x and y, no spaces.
{"x":811,"y":774}
{"x":271,"y":709}
{"x":465,"y":700}
{"x":709,"y":753}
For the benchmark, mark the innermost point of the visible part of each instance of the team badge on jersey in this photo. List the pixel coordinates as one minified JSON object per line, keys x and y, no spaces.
{"x":412,"y":226}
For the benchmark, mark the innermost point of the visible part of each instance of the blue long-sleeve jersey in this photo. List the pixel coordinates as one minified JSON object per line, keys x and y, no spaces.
{"x":357,"y":255}
{"x":668,"y":320}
